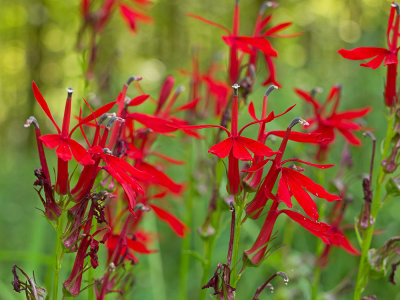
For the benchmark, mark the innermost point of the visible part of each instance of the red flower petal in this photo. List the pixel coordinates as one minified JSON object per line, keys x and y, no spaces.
{"x":264,"y":237}
{"x":272,"y":72}
{"x":169,"y":159}
{"x":258,"y":166}
{"x":131,"y":16}
{"x":156,"y":124}
{"x":310,"y":185}
{"x":327,"y":233}
{"x":286,"y":111}
{"x":335,"y":91}
{"x":307,"y":97}
{"x":362,"y":52}
{"x":190,"y":105}
{"x":239,"y":151}
{"x":80,"y":153}
{"x":138,"y":100}
{"x":256,"y":147}
{"x":209,"y":22}
{"x":245,"y":44}
{"x":277,"y":28}
{"x":165,"y":92}
{"x":130,"y":196}
{"x":374,"y":63}
{"x":139,"y":247}
{"x":350,"y":137}
{"x":160,"y":178}
{"x":252,"y":112}
{"x":222,"y":149}
{"x":302,"y":197}
{"x":176,"y":225}
{"x":308,"y":163}
{"x":97,"y":113}
{"x":301,"y":137}
{"x":283,"y":192}
{"x":318,"y":229}
{"x":43,"y":104}
{"x":63,"y":152}
{"x":51,"y":140}
{"x":352,"y":114}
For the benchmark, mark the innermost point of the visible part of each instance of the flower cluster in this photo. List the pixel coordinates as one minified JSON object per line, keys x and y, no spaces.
{"x":378,"y":55}
{"x":102,"y":192}
{"x":95,"y":20}
{"x":116,"y":167}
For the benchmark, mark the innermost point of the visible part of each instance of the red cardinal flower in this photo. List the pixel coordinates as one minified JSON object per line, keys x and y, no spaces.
{"x":379,"y":55}
{"x":255,"y":207}
{"x":236,"y":146}
{"x":237,"y":43}
{"x":251,"y":44}
{"x":260,"y":30}
{"x":176,"y":225}
{"x":326,"y":124}
{"x":291,"y":183}
{"x":52,"y":209}
{"x":328,"y":234}
{"x":62,"y":141}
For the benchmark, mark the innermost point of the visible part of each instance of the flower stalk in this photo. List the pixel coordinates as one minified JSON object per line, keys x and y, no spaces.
{"x":59,"y":254}
{"x":238,"y":210}
{"x":376,"y":205}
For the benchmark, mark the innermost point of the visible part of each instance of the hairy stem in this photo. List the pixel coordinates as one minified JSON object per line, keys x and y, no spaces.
{"x":59,"y":255}
{"x":320,"y":244}
{"x":363,"y":269}
{"x":185,"y":258}
{"x":239,"y":208}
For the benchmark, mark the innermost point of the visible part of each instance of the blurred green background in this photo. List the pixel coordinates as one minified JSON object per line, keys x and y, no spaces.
{"x":38,"y":42}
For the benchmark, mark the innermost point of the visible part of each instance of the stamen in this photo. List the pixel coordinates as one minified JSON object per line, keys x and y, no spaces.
{"x":70,"y":90}
{"x":31,"y":120}
{"x":236,"y":89}
{"x":132,"y":78}
{"x":107,"y":151}
{"x":267,"y":4}
{"x":270,"y":89}
{"x":396,"y":5}
{"x":106,"y":116}
{"x":298,"y":120}
{"x":112,"y":121}
{"x":180,"y":89}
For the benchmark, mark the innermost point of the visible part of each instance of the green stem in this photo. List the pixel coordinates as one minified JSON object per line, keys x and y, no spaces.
{"x":155,"y":264}
{"x":320,"y":244}
{"x":363,"y":269}
{"x":209,"y":245}
{"x":59,"y":255}
{"x":90,"y":280}
{"x":185,"y":258}
{"x":239,"y":207}
{"x":206,"y":266}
